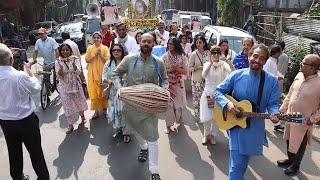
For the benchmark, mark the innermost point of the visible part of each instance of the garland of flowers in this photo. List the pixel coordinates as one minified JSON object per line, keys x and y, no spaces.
{"x":133,"y":24}
{"x":131,"y":9}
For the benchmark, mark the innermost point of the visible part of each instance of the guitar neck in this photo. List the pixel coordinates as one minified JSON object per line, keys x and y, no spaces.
{"x":256,"y":115}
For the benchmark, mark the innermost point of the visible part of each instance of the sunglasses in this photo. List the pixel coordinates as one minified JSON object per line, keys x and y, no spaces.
{"x":116,"y":50}
{"x":305,"y":64}
{"x":40,"y":33}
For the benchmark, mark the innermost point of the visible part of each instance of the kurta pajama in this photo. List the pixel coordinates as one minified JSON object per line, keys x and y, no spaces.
{"x":303,"y":97}
{"x":176,"y":87}
{"x":249,"y":141}
{"x":95,"y":69}
{"x":144,"y":124}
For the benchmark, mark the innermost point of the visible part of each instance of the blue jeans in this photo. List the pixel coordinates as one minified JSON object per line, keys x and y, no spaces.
{"x":238,"y":164}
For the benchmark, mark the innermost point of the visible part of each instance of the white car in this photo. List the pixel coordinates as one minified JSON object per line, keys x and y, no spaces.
{"x":92,"y":25}
{"x":213,"y":34}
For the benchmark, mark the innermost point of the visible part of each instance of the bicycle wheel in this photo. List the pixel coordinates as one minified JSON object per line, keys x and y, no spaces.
{"x":44,"y":97}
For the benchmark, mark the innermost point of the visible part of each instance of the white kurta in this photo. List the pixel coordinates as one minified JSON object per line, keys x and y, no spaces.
{"x":217,"y":73}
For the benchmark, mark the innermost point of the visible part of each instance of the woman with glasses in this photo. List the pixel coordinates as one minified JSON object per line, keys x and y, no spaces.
{"x":196,"y":62}
{"x":175,"y":62}
{"x":114,"y":110}
{"x":214,"y":72}
{"x":73,"y":100}
{"x":96,"y":56}
{"x":226,"y":54}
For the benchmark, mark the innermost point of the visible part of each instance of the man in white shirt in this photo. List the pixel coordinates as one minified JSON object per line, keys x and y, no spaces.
{"x":17,"y":118}
{"x":163,"y":36}
{"x":271,"y":67}
{"x":283,"y":63}
{"x":127,"y":41}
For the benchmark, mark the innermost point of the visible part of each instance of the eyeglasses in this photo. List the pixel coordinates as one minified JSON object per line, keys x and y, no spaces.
{"x":116,"y":50}
{"x":305,"y":64}
{"x":215,"y":53}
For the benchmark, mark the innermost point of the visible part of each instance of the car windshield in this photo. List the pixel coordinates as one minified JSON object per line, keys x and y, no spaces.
{"x":234,"y":43}
{"x":93,"y":25}
{"x":205,"y":22}
{"x":74,"y":27}
{"x":46,"y":25}
{"x":186,"y":21}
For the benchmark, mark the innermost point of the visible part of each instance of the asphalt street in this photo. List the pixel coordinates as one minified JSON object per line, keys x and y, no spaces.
{"x":91,"y":152}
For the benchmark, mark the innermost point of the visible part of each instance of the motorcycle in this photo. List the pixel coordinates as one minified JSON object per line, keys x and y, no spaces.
{"x":13,"y":43}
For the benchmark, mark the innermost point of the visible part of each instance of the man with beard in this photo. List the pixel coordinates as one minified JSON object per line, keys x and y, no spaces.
{"x":129,"y":43}
{"x":142,"y":68}
{"x":240,"y":61}
{"x":261,"y":89}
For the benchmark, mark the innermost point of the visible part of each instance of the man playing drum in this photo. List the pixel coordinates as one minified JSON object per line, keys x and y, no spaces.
{"x":142,"y":68}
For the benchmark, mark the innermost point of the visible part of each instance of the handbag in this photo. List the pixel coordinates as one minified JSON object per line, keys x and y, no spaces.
{"x":211,"y":101}
{"x":202,"y":79}
{"x":106,"y":91}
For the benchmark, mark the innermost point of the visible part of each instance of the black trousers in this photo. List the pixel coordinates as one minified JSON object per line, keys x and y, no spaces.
{"x":24,"y":131}
{"x":297,"y":158}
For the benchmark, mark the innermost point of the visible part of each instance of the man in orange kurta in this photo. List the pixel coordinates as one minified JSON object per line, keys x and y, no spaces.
{"x":303,"y":97}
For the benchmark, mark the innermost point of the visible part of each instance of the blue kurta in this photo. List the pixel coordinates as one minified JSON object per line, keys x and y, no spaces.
{"x":245,"y":86}
{"x":240,"y":61}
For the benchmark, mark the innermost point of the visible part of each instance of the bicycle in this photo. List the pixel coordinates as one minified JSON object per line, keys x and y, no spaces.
{"x":48,"y":84}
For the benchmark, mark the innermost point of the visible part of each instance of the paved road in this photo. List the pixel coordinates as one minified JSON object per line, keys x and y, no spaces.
{"x":91,"y":153}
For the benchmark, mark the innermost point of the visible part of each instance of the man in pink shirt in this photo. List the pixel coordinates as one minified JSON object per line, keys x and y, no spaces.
{"x":303,"y":97}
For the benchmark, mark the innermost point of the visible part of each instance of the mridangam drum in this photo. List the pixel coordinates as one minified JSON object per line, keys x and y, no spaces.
{"x":148,"y":98}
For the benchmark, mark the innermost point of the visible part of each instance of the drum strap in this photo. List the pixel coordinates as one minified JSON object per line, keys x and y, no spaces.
{"x":156,"y":66}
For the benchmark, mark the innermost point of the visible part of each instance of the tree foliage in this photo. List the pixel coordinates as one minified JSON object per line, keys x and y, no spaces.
{"x":229,"y":12}
{"x":296,"y":56}
{"x":313,"y":11}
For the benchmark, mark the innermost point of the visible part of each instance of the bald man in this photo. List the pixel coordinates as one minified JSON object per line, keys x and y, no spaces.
{"x":143,"y":68}
{"x":303,"y":97}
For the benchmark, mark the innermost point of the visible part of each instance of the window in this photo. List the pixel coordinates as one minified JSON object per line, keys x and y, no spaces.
{"x":211,"y":38}
{"x":74,"y":27}
{"x":93,"y":25}
{"x":234,"y":43}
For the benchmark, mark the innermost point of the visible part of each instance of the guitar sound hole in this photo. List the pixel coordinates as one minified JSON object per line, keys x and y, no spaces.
{"x":240,"y":114}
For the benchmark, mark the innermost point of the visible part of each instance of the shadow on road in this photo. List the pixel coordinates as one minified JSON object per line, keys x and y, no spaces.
{"x":188,"y":155}
{"x":71,"y":153}
{"x":51,"y":113}
{"x":221,"y":161}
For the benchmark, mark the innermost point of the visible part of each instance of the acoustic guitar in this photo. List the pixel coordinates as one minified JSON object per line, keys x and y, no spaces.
{"x":227,"y":120}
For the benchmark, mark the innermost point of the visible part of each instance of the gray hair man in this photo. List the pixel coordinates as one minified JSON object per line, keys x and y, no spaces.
{"x":17,"y":118}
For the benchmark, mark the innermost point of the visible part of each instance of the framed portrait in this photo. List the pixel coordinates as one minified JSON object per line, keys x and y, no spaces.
{"x":141,"y":8}
{"x":196,"y":23}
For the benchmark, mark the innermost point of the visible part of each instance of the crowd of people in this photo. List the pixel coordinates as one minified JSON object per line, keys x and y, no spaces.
{"x":117,"y":60}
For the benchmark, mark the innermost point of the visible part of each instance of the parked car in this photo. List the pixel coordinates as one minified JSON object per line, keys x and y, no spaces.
{"x":48,"y":25}
{"x":213,"y":34}
{"x":75,"y":31}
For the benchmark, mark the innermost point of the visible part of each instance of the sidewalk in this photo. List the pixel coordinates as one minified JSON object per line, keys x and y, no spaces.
{"x":316,"y":133}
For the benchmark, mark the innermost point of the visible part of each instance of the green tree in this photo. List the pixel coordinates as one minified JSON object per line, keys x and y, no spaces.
{"x":229,"y":12}
{"x":296,"y":56}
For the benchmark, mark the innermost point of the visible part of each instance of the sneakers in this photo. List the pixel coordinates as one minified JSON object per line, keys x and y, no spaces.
{"x":155,"y":177}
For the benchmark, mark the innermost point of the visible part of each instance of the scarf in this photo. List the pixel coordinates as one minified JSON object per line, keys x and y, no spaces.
{"x":122,"y":41}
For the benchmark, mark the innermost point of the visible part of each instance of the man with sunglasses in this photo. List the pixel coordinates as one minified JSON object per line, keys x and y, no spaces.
{"x":47,"y":46}
{"x":303,"y":97}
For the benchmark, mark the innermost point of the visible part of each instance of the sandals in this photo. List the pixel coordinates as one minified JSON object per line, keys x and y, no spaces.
{"x":95,"y":116}
{"x":155,"y":176}
{"x":143,"y":155}
{"x":70,"y":130}
{"x":83,"y":120}
{"x":167,"y":130}
{"x":126,"y":138}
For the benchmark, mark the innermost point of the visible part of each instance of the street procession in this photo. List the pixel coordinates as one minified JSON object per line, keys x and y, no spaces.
{"x":159,"y":89}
